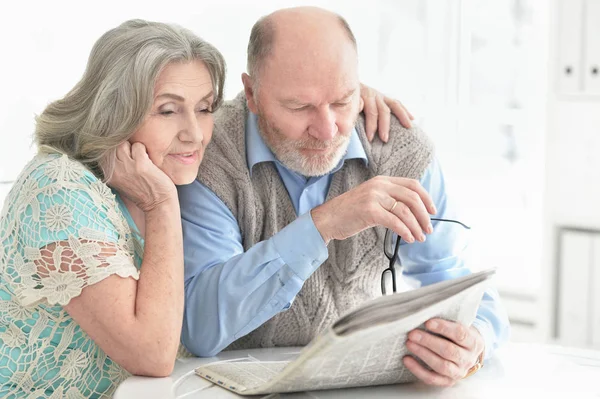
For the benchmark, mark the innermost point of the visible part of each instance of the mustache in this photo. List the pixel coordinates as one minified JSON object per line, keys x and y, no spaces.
{"x":309,"y":142}
{"x":316,"y":144}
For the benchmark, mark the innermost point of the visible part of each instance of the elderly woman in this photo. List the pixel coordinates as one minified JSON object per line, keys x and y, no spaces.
{"x":91,"y":283}
{"x":91,"y":257}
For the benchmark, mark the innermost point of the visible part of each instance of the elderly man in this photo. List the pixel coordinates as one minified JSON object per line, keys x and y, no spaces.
{"x":284,"y":227}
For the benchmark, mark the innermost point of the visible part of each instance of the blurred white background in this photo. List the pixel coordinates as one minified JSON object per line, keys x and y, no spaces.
{"x":507,"y":89}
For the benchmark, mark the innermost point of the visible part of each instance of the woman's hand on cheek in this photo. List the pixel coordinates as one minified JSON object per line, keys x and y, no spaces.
{"x":139,"y":179}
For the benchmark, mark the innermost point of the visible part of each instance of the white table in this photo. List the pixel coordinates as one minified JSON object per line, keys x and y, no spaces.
{"x":517,"y":371}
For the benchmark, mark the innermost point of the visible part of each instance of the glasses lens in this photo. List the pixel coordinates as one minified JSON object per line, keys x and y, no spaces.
{"x":390,"y":243}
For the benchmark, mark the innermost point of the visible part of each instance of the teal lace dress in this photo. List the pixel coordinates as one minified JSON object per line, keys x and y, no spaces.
{"x":61,"y":230}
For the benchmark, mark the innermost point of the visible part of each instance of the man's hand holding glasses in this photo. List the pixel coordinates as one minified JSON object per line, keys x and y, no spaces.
{"x":397,"y":203}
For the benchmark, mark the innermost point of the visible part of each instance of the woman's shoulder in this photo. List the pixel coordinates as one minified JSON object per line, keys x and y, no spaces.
{"x":52,"y":172}
{"x":58,"y":168}
{"x":59,"y":194}
{"x":58,"y":210}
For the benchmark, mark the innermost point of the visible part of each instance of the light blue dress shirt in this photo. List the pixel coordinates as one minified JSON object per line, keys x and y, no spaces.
{"x":230,"y":293}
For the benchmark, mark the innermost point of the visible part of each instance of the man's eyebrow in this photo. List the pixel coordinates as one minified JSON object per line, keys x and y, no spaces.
{"x":292,"y":101}
{"x":348,"y":94}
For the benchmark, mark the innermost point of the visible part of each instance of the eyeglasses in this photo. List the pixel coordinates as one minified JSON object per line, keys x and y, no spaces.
{"x":391,"y":244}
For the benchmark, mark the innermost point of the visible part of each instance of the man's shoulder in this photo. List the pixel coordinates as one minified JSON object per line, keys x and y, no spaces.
{"x":230,"y":116}
{"x":228,"y":140}
{"x":224,"y":168}
{"x":408,"y":152}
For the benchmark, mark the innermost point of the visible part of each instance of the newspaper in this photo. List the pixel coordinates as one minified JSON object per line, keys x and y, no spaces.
{"x":364,"y":347}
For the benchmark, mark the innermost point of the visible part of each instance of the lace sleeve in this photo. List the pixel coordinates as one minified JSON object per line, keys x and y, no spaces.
{"x":63,"y":232}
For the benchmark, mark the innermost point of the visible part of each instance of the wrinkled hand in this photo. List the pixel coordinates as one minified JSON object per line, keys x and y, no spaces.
{"x":139,"y":179}
{"x":370,"y":204}
{"x":450,"y":358}
{"x":378,"y":109}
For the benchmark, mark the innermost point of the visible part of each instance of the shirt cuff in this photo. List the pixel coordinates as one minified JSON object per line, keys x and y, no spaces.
{"x":301,"y":246}
{"x":487,"y":333}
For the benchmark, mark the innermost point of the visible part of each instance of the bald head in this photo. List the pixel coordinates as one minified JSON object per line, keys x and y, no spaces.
{"x":303,"y":87}
{"x":300,"y":31}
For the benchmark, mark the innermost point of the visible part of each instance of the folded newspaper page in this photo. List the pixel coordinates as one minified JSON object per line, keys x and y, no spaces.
{"x":365,"y":347}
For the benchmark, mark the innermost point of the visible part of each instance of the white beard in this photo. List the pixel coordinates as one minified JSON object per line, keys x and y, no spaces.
{"x":288,"y":152}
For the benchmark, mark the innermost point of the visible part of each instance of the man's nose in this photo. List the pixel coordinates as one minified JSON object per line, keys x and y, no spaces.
{"x":323,"y":126}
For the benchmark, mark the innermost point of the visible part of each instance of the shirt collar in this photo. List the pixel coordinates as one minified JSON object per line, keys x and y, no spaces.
{"x":257,"y":151}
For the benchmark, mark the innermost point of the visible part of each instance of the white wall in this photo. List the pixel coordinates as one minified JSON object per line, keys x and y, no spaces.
{"x":45,"y":45}
{"x":572,"y":189}
{"x":415,"y":50}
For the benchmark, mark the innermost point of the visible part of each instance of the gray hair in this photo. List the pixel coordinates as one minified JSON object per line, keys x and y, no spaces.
{"x":261,"y":42}
{"x":116,"y":91}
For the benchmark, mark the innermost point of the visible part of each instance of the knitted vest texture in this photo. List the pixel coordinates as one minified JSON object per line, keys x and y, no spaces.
{"x":262,"y":207}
